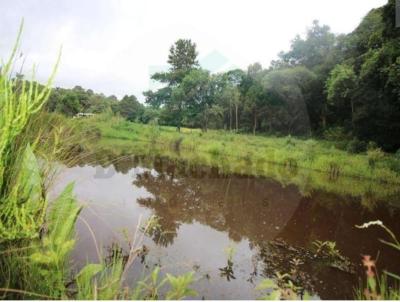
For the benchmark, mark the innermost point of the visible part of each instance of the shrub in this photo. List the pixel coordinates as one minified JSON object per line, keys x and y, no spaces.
{"x":397,"y":154}
{"x":372,"y":145}
{"x":290,"y":141}
{"x":177,"y":144}
{"x":215,"y":150}
{"x":153,"y":131}
{"x":336,"y":134}
{"x":356,"y":146}
{"x":374,"y":155}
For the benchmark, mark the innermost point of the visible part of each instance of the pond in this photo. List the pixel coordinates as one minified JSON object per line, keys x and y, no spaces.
{"x":206,"y":217}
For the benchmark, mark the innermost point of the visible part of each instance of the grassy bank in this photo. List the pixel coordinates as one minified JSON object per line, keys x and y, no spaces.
{"x":309,"y":164}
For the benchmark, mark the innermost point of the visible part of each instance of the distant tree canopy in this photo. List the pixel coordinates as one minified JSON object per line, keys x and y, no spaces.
{"x":323,"y":81}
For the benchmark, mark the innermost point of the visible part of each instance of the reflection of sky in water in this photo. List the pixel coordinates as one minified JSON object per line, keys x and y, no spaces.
{"x":204,"y":215}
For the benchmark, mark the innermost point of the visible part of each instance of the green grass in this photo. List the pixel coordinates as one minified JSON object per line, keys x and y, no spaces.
{"x":310,"y":164}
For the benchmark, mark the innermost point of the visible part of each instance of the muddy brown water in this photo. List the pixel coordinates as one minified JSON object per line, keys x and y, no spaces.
{"x":203,"y":212}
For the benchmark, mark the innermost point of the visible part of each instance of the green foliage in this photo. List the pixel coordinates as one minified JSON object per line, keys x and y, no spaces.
{"x":327,"y":248}
{"x":374,"y":155}
{"x":22,"y":201}
{"x":180,"y":287}
{"x":61,"y":223}
{"x":129,"y":108}
{"x":282,"y":288}
{"x":177,"y":288}
{"x":356,"y":146}
{"x":340,"y":83}
{"x":71,"y":101}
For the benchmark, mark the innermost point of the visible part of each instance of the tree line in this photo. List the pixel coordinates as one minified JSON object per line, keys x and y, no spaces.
{"x":347,"y":86}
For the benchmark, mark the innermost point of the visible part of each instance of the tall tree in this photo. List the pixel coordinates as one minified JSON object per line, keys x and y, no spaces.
{"x":182,"y":59}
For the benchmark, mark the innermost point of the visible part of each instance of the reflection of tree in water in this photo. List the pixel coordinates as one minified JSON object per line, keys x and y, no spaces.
{"x":166,"y":230}
{"x":243,"y":207}
{"x":261,"y":210}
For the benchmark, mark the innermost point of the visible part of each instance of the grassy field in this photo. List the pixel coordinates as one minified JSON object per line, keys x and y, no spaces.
{"x":308,"y":163}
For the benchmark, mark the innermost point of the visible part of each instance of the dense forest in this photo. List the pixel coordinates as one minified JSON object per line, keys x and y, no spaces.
{"x":335,"y":86}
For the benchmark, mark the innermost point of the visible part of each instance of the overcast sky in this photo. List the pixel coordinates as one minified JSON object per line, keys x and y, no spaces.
{"x":112,"y":46}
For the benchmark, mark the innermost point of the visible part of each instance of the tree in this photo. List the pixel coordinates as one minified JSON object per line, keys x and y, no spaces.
{"x":195,"y":95}
{"x":182,"y":59}
{"x":235,"y":79}
{"x":230,"y":100}
{"x":374,"y":55}
{"x":340,"y":89}
{"x":318,"y":52}
{"x":129,"y":108}
{"x":183,"y":56}
{"x":286,"y":98}
{"x":69,"y":104}
{"x":254,"y":94}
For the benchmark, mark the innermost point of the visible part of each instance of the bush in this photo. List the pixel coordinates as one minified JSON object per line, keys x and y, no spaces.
{"x":356,"y":146}
{"x":336,"y":134}
{"x":290,"y":141}
{"x":397,"y":154}
{"x":374,"y":155}
{"x":215,"y":150}
{"x":372,"y":146}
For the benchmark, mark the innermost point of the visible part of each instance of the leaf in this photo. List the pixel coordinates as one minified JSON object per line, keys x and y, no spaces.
{"x":306,"y":296}
{"x":395,"y":276}
{"x":154,"y":274}
{"x":88,"y":272}
{"x":393,"y":245}
{"x":266,"y":284}
{"x":29,"y":182}
{"x":274,"y":295}
{"x":372,"y":283}
{"x":62,"y":216}
{"x":180,"y":287}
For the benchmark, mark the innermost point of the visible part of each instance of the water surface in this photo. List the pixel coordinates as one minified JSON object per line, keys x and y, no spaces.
{"x":202,"y":212}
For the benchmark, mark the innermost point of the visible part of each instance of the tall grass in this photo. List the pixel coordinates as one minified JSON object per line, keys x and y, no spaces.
{"x":22,"y":200}
{"x":36,"y":240}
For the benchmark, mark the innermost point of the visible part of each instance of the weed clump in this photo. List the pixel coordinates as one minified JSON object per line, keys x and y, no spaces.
{"x":374,"y":156}
{"x":356,"y":146}
{"x":176,"y":144}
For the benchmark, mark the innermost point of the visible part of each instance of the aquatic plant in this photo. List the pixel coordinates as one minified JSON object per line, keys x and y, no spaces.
{"x":176,"y":287}
{"x":377,"y":286}
{"x":282,"y":288}
{"x":326,"y":248}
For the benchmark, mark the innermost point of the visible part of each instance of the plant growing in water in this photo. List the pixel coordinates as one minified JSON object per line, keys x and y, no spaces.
{"x":282,"y":288}
{"x":377,"y":286}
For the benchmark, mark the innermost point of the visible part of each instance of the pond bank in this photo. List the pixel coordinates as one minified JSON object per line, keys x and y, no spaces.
{"x":308,"y":164}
